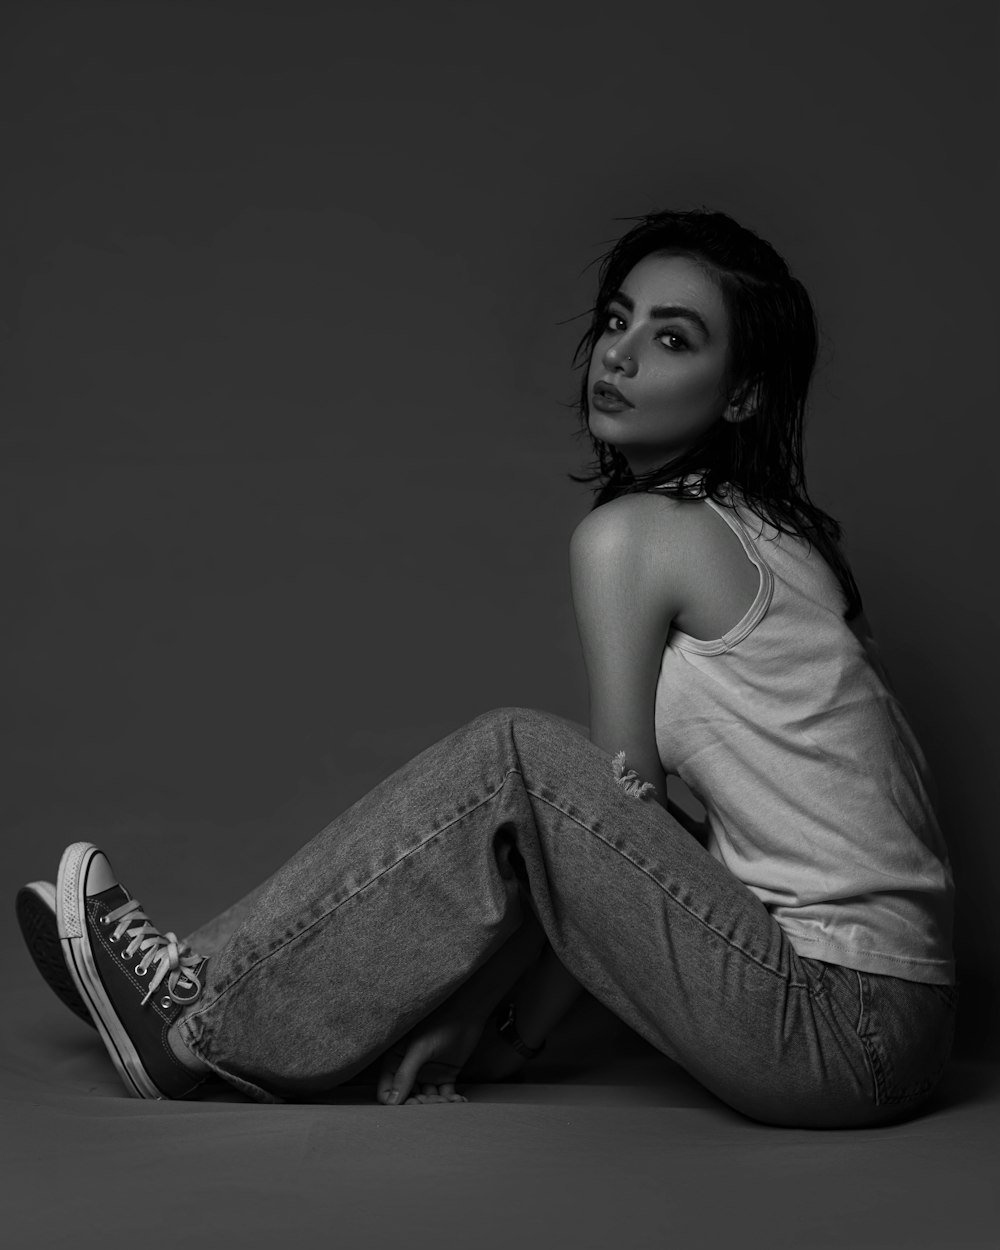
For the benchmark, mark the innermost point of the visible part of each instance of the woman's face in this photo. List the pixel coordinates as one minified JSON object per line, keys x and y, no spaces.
{"x":664,"y":345}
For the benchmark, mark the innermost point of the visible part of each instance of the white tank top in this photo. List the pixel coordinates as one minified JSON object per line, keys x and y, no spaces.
{"x":816,"y":791}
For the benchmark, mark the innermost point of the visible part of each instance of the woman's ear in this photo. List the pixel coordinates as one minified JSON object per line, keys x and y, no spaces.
{"x":744,"y":404}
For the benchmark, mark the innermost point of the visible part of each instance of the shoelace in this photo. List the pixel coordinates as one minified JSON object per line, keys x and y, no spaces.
{"x":173,"y":959}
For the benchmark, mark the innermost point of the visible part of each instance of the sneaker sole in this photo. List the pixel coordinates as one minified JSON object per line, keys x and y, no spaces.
{"x":36,"y":914}
{"x":71,"y":912}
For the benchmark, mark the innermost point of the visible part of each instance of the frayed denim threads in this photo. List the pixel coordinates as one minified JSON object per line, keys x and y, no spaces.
{"x":629,"y":781}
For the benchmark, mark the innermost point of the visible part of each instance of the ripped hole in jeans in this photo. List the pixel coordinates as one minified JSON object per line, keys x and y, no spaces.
{"x":629,"y":780}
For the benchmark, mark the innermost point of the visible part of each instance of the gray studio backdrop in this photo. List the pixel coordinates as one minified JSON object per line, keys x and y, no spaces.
{"x":292,"y":296}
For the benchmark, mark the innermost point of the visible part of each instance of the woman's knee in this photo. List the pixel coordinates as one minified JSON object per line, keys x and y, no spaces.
{"x":547,"y":722}
{"x":532,"y":718}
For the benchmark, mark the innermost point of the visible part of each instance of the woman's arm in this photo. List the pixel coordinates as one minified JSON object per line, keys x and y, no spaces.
{"x":626,"y":592}
{"x":625,"y":562}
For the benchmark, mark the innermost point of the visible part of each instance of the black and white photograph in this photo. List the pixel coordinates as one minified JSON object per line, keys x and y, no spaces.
{"x":499,"y":616}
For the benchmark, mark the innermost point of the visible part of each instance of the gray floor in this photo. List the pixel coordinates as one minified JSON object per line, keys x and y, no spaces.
{"x":606,"y":1143}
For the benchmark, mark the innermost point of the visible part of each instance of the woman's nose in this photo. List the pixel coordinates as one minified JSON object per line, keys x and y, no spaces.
{"x":617,"y":357}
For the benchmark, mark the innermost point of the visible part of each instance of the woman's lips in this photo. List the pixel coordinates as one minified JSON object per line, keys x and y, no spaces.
{"x":606,"y":401}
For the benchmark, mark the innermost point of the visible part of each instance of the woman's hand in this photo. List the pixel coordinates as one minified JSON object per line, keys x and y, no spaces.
{"x":431,"y":1056}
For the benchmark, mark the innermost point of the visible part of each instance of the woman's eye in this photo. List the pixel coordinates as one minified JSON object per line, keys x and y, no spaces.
{"x":669,"y":334}
{"x":682,"y":346}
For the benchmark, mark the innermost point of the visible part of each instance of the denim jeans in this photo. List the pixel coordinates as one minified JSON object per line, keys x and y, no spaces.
{"x":385,"y":912}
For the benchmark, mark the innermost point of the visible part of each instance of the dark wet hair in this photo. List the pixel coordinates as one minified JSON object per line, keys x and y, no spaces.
{"x":772,"y":353}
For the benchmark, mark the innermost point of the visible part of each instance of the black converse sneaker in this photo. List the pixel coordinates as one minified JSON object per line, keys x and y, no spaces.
{"x":134,"y":980}
{"x":36,"y":914}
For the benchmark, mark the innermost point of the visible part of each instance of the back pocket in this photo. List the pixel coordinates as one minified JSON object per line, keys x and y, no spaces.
{"x":907,"y":1028}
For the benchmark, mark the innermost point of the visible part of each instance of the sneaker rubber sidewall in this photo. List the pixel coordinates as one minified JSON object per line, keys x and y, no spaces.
{"x":71,"y":903}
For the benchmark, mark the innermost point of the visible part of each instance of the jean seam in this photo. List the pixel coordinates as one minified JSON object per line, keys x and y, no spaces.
{"x":354,"y":893}
{"x":793,"y":985}
{"x":224,"y":990}
{"x":877,"y":1072}
{"x":871,"y":1055}
{"x":881,"y":1076}
{"x":882,"y":1096}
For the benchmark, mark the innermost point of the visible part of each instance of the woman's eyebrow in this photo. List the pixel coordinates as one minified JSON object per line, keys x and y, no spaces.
{"x":664,"y":311}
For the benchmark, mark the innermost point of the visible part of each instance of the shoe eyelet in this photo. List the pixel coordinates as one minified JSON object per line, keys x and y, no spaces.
{"x":140,"y":971}
{"x":115,"y":938}
{"x":164,"y":1003}
{"x":125,"y":954}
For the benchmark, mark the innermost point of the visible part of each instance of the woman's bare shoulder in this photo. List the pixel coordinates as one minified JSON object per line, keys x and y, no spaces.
{"x":677,"y":554}
{"x":637,"y":513}
{"x":656,"y":533}
{"x":649,"y":519}
{"x":676,"y":546}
